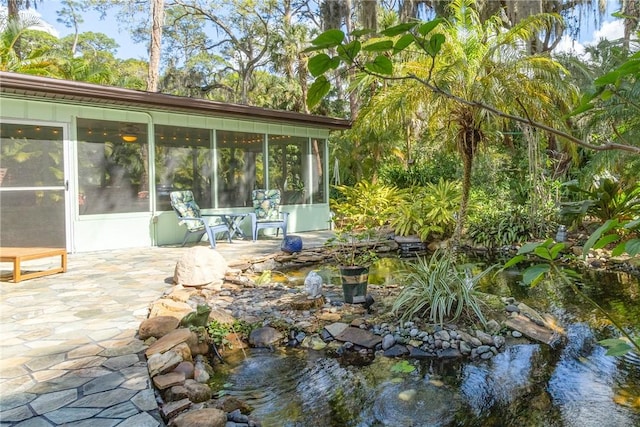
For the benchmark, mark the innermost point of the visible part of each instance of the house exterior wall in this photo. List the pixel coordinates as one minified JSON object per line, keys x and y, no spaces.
{"x":148,"y":227}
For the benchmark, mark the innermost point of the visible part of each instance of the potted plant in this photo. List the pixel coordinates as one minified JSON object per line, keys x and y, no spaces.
{"x":354,"y":251}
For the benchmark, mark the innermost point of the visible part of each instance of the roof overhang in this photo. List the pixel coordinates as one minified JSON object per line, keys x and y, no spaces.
{"x":79,"y":92}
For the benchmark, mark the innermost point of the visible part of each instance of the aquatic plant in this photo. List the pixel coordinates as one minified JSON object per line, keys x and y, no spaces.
{"x":437,"y":288}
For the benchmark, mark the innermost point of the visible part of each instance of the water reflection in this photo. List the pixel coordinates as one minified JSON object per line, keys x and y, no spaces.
{"x":584,"y":383}
{"x":527,"y":385}
{"x":499,"y":382}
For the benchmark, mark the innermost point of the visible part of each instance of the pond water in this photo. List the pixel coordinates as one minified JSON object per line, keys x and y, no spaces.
{"x":525,"y":385}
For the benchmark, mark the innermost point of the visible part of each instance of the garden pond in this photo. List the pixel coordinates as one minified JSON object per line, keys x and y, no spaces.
{"x":526,"y":384}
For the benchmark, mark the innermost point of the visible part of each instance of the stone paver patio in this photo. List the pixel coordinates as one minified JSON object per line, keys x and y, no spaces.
{"x":68,"y":348}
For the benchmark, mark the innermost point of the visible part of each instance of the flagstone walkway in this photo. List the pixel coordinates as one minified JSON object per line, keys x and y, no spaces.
{"x":68,"y":351}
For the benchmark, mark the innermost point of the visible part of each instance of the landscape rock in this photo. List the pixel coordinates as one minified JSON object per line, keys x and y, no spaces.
{"x":161,"y":363}
{"x":168,"y":380}
{"x":359,"y":337}
{"x":157,"y":327}
{"x":206,"y":417}
{"x":230,"y":404}
{"x":169,"y":307}
{"x":264,"y":337}
{"x":197,"y":392}
{"x":200,"y":266}
{"x":168,"y":341}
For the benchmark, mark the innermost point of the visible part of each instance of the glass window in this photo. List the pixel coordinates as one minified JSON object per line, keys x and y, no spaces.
{"x":32,"y":191}
{"x":240,"y":167}
{"x":113,"y":172}
{"x":318,"y":194}
{"x":183,"y":159}
{"x":288,"y":168}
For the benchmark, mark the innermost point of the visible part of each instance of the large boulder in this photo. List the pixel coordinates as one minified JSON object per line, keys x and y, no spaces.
{"x":169,"y":307}
{"x":264,"y":337}
{"x":157,"y":327}
{"x":208,"y":417}
{"x":200,"y":266}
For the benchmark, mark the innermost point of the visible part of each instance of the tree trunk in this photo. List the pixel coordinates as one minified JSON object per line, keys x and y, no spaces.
{"x":157,"y":19}
{"x":467,"y":166}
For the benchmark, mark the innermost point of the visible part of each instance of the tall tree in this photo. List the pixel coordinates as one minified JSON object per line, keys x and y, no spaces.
{"x":71,"y":17}
{"x":245,"y":34}
{"x":155,"y":47}
{"x":473,"y":78}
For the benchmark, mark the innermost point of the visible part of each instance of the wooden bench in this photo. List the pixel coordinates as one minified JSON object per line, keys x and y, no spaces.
{"x":18,"y":255}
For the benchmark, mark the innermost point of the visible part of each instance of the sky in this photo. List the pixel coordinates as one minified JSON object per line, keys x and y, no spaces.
{"x":611,"y":29}
{"x":92,"y":22}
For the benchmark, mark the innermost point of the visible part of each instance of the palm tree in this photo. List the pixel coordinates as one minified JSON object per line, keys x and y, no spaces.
{"x":481,"y":76}
{"x":39,"y":61}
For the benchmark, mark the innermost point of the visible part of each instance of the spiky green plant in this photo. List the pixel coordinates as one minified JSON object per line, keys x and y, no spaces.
{"x":436,"y":288}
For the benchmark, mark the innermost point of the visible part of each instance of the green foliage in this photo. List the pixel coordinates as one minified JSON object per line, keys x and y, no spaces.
{"x":438,"y":289}
{"x":606,"y":200}
{"x":611,"y":84}
{"x":403,"y":367}
{"x":548,"y":256}
{"x":612,"y":231}
{"x":353,"y":248}
{"x":365,"y":205}
{"x":428,"y":210}
{"x":497,"y":228}
{"x":439,"y":166}
{"x":219,"y":331}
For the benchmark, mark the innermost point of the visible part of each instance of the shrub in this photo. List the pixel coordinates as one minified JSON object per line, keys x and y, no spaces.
{"x":365,"y":206}
{"x":427,"y":210}
{"x":607,"y":199}
{"x":439,"y":166}
{"x":437,"y":289}
{"x":495,"y":229}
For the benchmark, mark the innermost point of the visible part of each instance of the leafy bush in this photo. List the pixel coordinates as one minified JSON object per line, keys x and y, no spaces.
{"x":495,"y":229}
{"x":353,"y":248}
{"x":436,"y":288}
{"x":439,"y":166}
{"x":365,"y":206}
{"x":605,"y":200}
{"x":219,"y":331}
{"x":427,"y":210}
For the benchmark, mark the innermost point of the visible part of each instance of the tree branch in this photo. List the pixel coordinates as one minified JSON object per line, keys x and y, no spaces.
{"x":602,"y":147}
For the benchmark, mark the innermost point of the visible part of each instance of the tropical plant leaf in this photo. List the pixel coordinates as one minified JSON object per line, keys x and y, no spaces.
{"x":362,"y":32}
{"x":403,"y":42}
{"x":543,"y":252}
{"x":528,"y":247}
{"x":607,"y":79}
{"x":329,"y":38}
{"x":380,"y":65}
{"x":615,"y":346}
{"x":555,"y":250}
{"x":513,"y":261}
{"x":398,"y":29}
{"x":633,"y":247}
{"x":632,"y":224}
{"x":318,"y":90}
{"x":349,"y":51}
{"x":533,"y":275}
{"x":571,"y":273}
{"x":595,"y":236}
{"x":320,"y":63}
{"x":435,"y":43}
{"x":379,"y":46}
{"x":609,"y":238}
{"x":427,"y":27}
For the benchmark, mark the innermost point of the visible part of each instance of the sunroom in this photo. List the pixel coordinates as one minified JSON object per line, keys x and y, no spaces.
{"x":88,"y":167}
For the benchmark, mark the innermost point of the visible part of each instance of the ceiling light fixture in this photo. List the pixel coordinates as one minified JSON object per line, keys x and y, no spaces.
{"x":129,"y":133}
